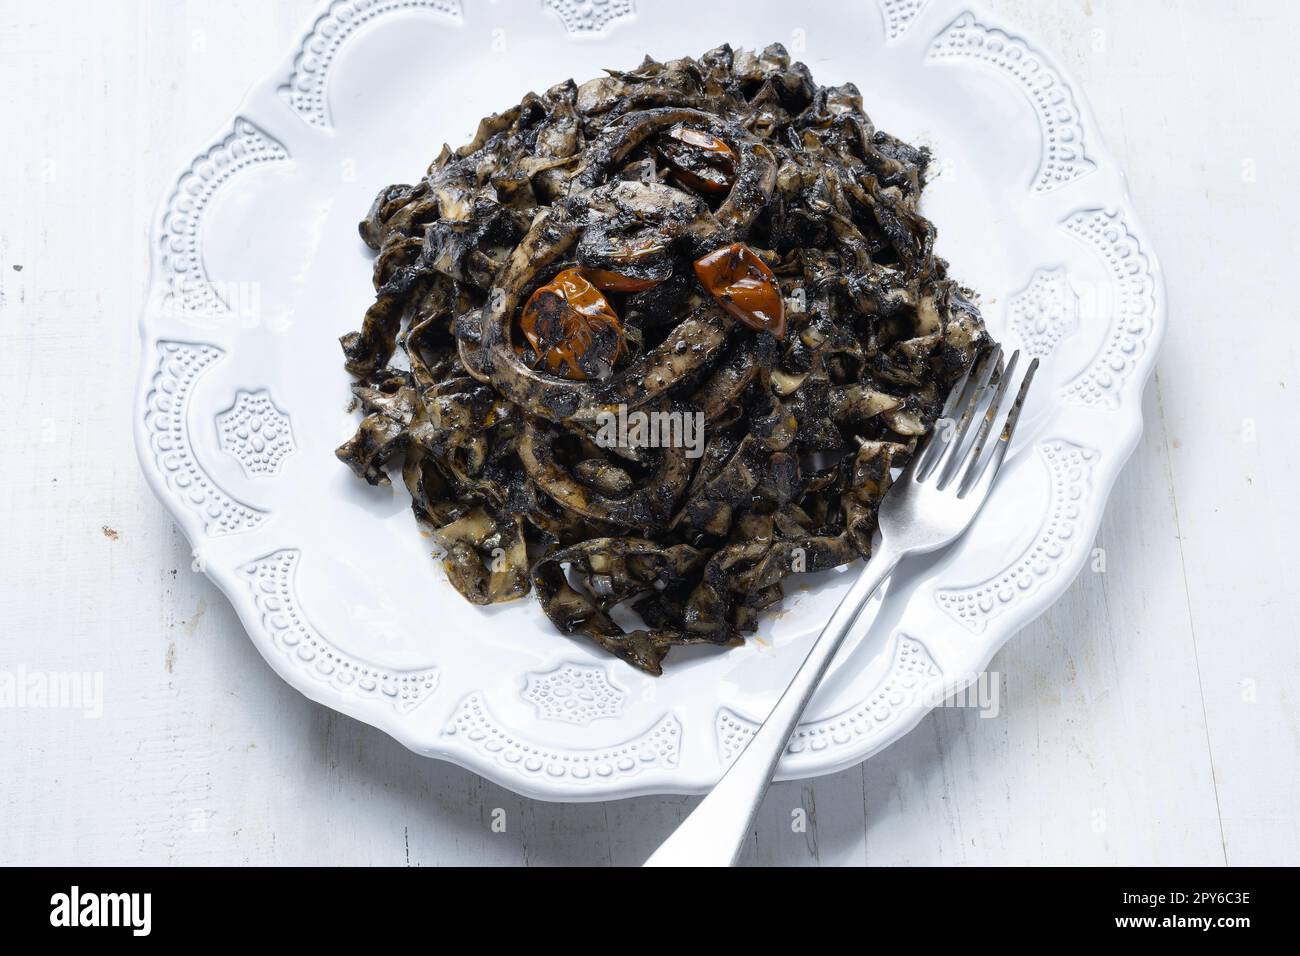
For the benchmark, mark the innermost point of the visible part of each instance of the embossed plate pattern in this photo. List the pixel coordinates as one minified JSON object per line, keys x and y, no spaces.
{"x":257,"y":269}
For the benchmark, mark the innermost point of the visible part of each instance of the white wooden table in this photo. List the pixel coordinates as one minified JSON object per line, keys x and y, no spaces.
{"x":1153,"y":716}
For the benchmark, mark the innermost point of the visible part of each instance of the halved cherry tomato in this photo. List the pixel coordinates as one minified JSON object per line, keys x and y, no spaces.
{"x":743,"y":284}
{"x":621,"y":257}
{"x":698,"y":159}
{"x":572,"y":327}
{"x":609,"y":281}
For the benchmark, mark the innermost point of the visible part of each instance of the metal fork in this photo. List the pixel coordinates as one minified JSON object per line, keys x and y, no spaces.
{"x":932,"y":503}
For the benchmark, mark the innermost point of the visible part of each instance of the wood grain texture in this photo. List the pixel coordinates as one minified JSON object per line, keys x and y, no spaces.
{"x":1152,"y":716}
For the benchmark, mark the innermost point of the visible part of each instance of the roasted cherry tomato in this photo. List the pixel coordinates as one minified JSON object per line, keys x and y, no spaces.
{"x":699,"y":160}
{"x":572,"y":328}
{"x":744,"y":286}
{"x":610,"y":281}
{"x":624,"y":263}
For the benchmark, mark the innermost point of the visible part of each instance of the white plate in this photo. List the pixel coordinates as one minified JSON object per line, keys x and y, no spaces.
{"x":258,"y":269}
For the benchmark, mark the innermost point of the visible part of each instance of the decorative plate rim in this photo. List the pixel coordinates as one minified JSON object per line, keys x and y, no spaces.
{"x":600,"y":773}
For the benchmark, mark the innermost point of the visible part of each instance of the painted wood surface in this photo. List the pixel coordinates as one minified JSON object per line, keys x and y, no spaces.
{"x":1152,"y":716}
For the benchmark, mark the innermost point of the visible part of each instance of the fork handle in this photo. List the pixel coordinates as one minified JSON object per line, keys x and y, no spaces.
{"x":716,"y":830}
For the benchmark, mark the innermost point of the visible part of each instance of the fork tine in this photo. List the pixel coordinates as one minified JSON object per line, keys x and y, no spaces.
{"x":929,"y":447}
{"x":946,"y":428}
{"x":989,"y":470}
{"x":951,"y":453}
{"x":935,"y":442}
{"x":950,"y":405}
{"x":971,"y":461}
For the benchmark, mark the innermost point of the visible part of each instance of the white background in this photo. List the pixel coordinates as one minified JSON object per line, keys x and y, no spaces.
{"x":1152,"y":716}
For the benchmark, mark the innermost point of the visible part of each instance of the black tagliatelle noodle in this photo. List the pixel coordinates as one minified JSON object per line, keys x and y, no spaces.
{"x":665,"y":336}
